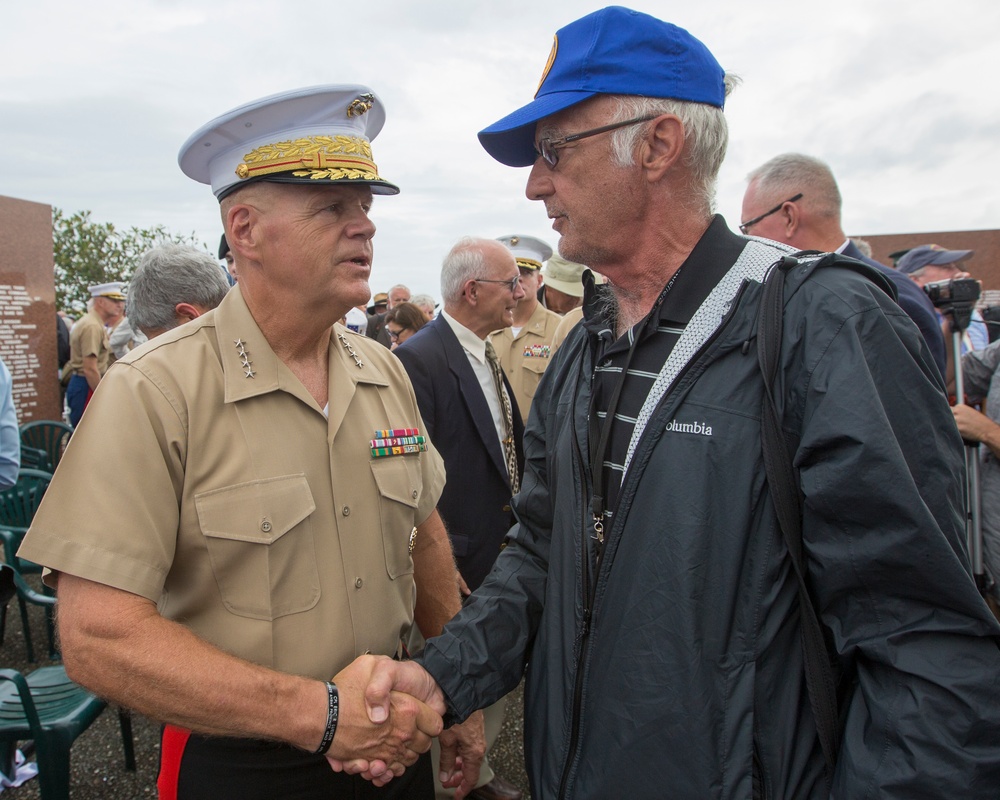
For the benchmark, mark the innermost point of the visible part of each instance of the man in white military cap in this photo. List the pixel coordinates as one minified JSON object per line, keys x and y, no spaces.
{"x":89,"y":347}
{"x":525,"y":348}
{"x":281,"y":513}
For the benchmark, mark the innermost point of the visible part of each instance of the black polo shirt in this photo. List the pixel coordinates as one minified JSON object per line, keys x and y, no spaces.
{"x":705,"y":266}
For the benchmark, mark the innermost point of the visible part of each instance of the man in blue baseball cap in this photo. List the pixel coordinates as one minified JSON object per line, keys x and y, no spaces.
{"x":647,"y":591}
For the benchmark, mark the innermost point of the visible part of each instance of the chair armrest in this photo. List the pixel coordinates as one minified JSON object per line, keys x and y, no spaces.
{"x":27,"y":701}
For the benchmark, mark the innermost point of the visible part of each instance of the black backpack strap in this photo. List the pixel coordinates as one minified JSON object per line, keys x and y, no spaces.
{"x":820,"y":679}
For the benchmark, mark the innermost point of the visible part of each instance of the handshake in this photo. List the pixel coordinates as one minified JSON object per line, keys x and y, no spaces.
{"x":389,"y":713}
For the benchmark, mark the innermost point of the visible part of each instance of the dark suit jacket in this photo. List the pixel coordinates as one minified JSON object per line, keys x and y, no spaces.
{"x":475,"y":505}
{"x":376,"y":329}
{"x":913,"y":301}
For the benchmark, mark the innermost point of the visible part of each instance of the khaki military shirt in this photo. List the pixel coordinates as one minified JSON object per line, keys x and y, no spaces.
{"x":524,"y":357}
{"x":88,"y":338}
{"x":244,"y":513}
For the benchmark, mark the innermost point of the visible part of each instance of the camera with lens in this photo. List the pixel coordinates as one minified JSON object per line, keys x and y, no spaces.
{"x":956,"y":297}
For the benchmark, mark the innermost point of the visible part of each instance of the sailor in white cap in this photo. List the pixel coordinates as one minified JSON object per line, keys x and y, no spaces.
{"x":525,"y":348}
{"x":281,"y":515}
{"x":89,"y":348}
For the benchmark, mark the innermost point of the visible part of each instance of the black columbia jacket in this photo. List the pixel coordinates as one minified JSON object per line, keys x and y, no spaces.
{"x":676,"y":671}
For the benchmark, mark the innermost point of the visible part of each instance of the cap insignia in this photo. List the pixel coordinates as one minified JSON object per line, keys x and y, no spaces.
{"x":549,"y":63}
{"x":361,"y":105}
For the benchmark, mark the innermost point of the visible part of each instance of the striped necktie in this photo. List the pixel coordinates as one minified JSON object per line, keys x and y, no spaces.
{"x":509,"y":449}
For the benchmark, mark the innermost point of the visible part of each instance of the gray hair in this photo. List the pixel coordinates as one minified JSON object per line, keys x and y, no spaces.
{"x":464,"y":262}
{"x":168,"y":275}
{"x":706,"y":135}
{"x":423,"y":300}
{"x":786,"y":175}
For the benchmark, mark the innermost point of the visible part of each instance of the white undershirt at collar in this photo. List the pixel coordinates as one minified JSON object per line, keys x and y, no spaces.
{"x":475,"y":351}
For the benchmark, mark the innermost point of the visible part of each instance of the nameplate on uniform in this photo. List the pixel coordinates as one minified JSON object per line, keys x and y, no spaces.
{"x":537,"y":351}
{"x":397,"y":442}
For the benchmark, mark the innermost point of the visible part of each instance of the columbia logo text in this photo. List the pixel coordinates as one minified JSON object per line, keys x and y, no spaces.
{"x":700,"y":428}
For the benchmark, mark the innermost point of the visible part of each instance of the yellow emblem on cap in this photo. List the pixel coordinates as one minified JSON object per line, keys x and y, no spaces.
{"x":513,"y":241}
{"x":361,"y":105}
{"x":329,"y":157}
{"x":549,"y":63}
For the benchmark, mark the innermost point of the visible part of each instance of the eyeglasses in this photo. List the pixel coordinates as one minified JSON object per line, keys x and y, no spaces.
{"x":745,"y":226}
{"x":511,"y":284}
{"x":547,"y":148}
{"x":394,"y":335}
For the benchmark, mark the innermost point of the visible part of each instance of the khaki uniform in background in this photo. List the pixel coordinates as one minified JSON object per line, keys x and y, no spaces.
{"x":569,"y":321}
{"x":88,"y":337}
{"x":243,"y":512}
{"x":524,"y":357}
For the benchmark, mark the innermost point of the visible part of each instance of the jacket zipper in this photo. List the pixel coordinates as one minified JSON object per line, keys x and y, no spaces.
{"x":588,"y":600}
{"x":590,"y":593}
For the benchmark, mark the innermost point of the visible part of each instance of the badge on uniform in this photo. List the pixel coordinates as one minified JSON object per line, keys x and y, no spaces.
{"x":397,"y":442}
{"x":537,"y":351}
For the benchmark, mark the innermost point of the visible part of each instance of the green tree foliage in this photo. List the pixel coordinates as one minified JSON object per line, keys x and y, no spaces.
{"x":88,"y":252}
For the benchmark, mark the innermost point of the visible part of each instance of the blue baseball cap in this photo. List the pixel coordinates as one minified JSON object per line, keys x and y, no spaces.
{"x":612,"y":51}
{"x":930,"y":255}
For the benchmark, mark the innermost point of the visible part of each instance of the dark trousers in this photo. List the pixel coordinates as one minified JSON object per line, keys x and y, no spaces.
{"x":194,"y":767}
{"x":78,"y":394}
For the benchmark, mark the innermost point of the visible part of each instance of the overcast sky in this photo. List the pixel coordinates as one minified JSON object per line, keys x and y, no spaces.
{"x":96,"y":98}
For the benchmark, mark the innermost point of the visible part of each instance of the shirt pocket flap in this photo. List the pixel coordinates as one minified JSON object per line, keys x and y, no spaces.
{"x":395,"y":481}
{"x":535,"y":364}
{"x":259,"y":511}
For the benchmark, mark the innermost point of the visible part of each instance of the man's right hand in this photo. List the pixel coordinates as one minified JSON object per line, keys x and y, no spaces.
{"x":389,"y":712}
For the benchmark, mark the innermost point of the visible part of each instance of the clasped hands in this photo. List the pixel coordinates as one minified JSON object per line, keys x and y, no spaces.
{"x":389,"y":712}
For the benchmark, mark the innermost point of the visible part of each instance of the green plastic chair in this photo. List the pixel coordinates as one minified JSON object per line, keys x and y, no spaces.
{"x":47,"y":435}
{"x":33,"y":458}
{"x":46,"y":707}
{"x":17,"y":508}
{"x":25,"y":596}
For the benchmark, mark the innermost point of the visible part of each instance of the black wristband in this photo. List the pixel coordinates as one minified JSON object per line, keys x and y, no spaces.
{"x":332,"y":715}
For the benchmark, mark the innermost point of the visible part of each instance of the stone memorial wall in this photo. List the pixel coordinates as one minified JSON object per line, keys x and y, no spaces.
{"x":28,"y":308}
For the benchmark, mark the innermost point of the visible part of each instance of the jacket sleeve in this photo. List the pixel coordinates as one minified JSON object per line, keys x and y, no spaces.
{"x":882,"y":475}
{"x":978,"y":367}
{"x":482,"y":653}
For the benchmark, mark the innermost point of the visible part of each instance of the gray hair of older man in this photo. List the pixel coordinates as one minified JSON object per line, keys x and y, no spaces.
{"x":464,"y":262}
{"x":789,"y":173}
{"x":706,"y":135}
{"x":168,"y":275}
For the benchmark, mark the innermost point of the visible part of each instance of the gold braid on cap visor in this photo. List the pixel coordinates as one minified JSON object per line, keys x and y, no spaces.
{"x":528,"y":263}
{"x":321,"y":157}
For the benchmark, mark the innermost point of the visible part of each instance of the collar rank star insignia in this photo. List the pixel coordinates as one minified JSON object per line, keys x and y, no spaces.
{"x":537,"y":351}
{"x":397,"y":442}
{"x":245,"y":361}
{"x":350,"y":350}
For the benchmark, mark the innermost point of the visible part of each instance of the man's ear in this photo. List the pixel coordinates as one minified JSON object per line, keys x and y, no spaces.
{"x":186,"y":311}
{"x":241,"y":230}
{"x":471,"y":292}
{"x":791,"y":219}
{"x":661,"y":147}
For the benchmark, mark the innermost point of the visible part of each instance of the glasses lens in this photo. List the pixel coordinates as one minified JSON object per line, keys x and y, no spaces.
{"x":548,"y":153}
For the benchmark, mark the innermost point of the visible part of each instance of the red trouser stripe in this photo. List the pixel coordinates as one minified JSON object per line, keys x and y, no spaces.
{"x":172,"y":746}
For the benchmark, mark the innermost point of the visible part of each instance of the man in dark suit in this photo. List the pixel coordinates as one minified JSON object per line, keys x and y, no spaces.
{"x":447,"y":364}
{"x":794,"y":199}
{"x":472,"y":417}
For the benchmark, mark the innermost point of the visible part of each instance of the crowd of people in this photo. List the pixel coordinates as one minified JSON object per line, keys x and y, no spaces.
{"x":353,"y":524}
